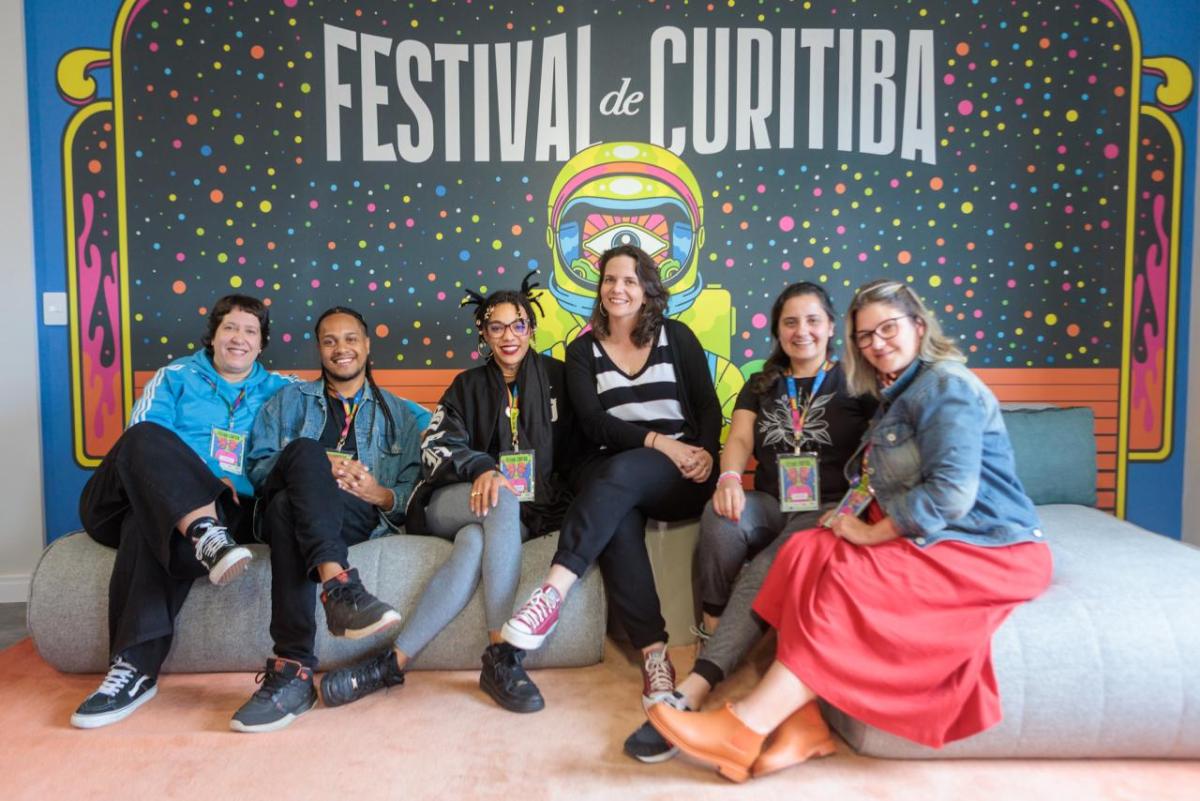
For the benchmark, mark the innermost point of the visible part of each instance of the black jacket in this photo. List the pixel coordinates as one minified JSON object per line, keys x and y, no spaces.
{"x":701,"y":409}
{"x":459,"y":445}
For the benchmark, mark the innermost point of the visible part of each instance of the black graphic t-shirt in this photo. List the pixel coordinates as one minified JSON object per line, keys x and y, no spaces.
{"x":833,"y":428}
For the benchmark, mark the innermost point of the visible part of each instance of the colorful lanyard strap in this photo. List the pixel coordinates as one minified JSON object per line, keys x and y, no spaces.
{"x":350,"y":407}
{"x":232,"y":407}
{"x":798,"y":416}
{"x":514,"y":413}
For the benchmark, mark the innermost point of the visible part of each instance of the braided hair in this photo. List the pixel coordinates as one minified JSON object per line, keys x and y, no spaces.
{"x":346,"y":310}
{"x":523,"y":299}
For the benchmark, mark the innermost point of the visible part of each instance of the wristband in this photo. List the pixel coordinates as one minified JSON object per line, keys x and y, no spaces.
{"x":653,"y":438}
{"x":728,"y":473}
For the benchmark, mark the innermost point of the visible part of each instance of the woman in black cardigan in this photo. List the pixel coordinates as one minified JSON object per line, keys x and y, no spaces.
{"x":640,"y":386}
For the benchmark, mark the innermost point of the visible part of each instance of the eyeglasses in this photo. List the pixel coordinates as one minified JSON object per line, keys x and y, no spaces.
{"x":495,"y":329}
{"x":886,"y":330}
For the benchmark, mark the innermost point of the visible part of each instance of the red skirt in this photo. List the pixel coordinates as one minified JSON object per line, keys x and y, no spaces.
{"x":898,"y":636}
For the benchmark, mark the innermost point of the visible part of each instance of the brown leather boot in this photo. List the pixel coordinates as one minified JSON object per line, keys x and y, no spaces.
{"x":718,"y":737}
{"x":802,"y":736}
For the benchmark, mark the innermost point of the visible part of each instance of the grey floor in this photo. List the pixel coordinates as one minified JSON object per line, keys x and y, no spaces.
{"x":12,"y":624}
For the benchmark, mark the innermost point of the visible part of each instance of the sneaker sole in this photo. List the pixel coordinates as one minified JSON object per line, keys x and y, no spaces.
{"x":387,"y":620}
{"x":526,"y":642}
{"x":83,"y":721}
{"x":275,"y":725}
{"x":654,"y":759}
{"x":534,"y":705}
{"x":230,"y":567}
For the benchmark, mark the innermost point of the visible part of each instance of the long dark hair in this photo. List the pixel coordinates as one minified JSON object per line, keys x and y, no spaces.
{"x":346,"y":310}
{"x":227,"y":304}
{"x":778,"y":362}
{"x":654,"y":307}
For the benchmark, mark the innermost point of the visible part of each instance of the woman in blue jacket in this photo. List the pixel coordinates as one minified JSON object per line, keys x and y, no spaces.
{"x":173,"y":498}
{"x":887,"y":613}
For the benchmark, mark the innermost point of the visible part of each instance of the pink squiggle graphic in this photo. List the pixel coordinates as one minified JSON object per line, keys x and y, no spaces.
{"x":1149,"y":334}
{"x":132,"y":16}
{"x":101,"y":362}
{"x":1111,"y":6}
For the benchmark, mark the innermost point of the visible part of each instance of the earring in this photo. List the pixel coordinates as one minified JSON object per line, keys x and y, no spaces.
{"x":484,"y":349}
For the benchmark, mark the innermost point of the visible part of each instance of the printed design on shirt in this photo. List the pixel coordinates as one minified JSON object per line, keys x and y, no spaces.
{"x":775,"y":424}
{"x":432,"y":452}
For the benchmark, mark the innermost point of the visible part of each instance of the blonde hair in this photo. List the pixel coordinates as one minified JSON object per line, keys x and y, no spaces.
{"x":935,"y":345}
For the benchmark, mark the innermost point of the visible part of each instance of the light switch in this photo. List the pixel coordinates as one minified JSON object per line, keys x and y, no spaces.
{"x":54,"y":308}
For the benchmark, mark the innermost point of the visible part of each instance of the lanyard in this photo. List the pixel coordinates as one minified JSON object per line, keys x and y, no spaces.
{"x":350,"y":407}
{"x":232,"y":407}
{"x":514,"y":413}
{"x":794,"y":399}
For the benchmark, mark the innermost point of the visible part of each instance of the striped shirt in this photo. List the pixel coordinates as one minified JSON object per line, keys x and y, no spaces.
{"x":650,"y":397}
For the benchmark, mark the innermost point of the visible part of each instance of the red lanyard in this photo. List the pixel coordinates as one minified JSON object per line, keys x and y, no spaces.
{"x":350,"y":407}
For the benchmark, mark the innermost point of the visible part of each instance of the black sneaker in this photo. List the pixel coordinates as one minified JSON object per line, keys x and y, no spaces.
{"x":123,"y":690}
{"x":224,"y":559}
{"x":356,"y":681}
{"x":351,"y":611}
{"x":646,"y":744}
{"x":287,"y":692}
{"x":505,"y":680}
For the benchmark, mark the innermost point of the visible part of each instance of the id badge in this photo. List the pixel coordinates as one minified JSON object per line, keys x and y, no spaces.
{"x":229,"y":449}
{"x":336,"y":454}
{"x":855,"y":501}
{"x":799,"y":483}
{"x":517,"y":467}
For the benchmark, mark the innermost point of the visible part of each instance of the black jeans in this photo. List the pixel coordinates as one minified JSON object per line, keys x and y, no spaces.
{"x":606,"y":524}
{"x":147,"y":482}
{"x":307,"y":521}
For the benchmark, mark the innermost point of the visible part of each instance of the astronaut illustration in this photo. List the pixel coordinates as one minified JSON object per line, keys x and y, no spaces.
{"x":644,"y":195}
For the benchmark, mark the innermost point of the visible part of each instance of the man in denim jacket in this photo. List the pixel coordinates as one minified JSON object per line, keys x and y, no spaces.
{"x":334,"y":461}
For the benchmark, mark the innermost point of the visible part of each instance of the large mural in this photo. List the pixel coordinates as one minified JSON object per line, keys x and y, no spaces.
{"x":1022,"y":164}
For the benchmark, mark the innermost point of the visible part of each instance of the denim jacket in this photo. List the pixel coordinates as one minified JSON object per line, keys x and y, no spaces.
{"x":299,"y":410}
{"x":941,"y":464}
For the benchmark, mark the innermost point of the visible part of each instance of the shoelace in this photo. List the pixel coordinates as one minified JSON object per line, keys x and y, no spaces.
{"x":351,"y":593}
{"x":700,"y":633}
{"x":536,"y":610}
{"x":374,"y":674}
{"x":659,"y":675}
{"x":272,"y":683}
{"x":118,"y":676}
{"x":211,"y":542}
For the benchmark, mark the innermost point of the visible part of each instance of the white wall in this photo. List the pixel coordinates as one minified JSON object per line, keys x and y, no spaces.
{"x":1191,"y":465}
{"x":22,"y":530}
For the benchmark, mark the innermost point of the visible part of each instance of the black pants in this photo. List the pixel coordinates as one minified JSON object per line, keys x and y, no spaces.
{"x":147,"y":482}
{"x":606,"y":524}
{"x":307,"y":521}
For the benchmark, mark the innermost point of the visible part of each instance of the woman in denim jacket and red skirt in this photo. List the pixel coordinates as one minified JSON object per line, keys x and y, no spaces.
{"x":888,"y":615}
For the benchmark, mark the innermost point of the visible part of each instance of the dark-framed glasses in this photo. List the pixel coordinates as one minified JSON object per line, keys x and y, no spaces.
{"x":495,"y":329}
{"x":885,"y":330}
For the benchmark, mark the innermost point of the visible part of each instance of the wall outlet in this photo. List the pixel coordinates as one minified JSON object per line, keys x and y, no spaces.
{"x":54,"y":308}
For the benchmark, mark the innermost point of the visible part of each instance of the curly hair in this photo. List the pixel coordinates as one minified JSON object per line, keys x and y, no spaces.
{"x":227,"y":304}
{"x":523,"y":298}
{"x":654,"y":306}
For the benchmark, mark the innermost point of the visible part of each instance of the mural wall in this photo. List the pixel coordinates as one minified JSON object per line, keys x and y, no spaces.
{"x":1026,"y":165}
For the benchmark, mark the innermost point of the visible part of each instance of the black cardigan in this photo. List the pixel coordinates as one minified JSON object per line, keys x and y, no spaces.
{"x":701,"y":409}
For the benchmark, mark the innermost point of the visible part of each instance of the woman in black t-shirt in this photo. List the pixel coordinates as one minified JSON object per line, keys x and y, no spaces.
{"x":817,"y":421}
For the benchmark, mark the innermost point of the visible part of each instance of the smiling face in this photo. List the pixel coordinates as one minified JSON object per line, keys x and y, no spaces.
{"x":889,"y":356}
{"x":507,"y":332}
{"x":621,"y":292}
{"x":344,"y":347}
{"x":236,"y":344}
{"x":804,"y":332}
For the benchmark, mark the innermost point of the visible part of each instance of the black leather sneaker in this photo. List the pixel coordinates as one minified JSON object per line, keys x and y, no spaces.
{"x":351,"y":611}
{"x":646,"y":744}
{"x":287,"y":692}
{"x":356,"y":681}
{"x":505,"y":680}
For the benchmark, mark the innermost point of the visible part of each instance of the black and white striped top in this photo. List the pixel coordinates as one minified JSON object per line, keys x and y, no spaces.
{"x":650,"y":397}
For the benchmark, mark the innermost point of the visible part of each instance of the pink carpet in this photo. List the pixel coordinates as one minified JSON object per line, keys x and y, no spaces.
{"x":440,"y":737}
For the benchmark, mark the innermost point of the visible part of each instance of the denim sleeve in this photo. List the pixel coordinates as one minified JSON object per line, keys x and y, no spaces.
{"x":409,"y":474}
{"x":949,"y":423}
{"x":266,"y":441}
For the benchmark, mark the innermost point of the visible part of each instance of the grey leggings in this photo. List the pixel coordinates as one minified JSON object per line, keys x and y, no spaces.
{"x":488,"y":547}
{"x":728,"y":585}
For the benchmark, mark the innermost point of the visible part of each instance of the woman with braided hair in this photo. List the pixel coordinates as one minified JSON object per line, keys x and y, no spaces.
{"x":489,"y":458}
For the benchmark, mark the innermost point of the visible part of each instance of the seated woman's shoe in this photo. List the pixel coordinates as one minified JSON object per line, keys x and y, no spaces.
{"x":718,"y":737}
{"x":802,"y":736}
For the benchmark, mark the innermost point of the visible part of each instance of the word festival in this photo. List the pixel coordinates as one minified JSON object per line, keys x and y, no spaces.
{"x":868,"y":90}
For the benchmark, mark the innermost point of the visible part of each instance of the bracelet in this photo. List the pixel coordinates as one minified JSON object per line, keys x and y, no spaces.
{"x":728,"y":474}
{"x":653,"y":438}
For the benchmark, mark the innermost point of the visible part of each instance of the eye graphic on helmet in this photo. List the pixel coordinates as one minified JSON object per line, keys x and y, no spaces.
{"x":612,"y":236}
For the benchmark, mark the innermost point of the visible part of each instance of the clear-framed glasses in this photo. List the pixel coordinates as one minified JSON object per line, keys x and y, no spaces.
{"x":885,"y":330}
{"x":495,"y":329}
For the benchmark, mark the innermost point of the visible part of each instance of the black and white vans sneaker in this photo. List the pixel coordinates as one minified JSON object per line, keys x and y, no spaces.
{"x":123,"y":690}
{"x":224,"y":558}
{"x":287,"y":692}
